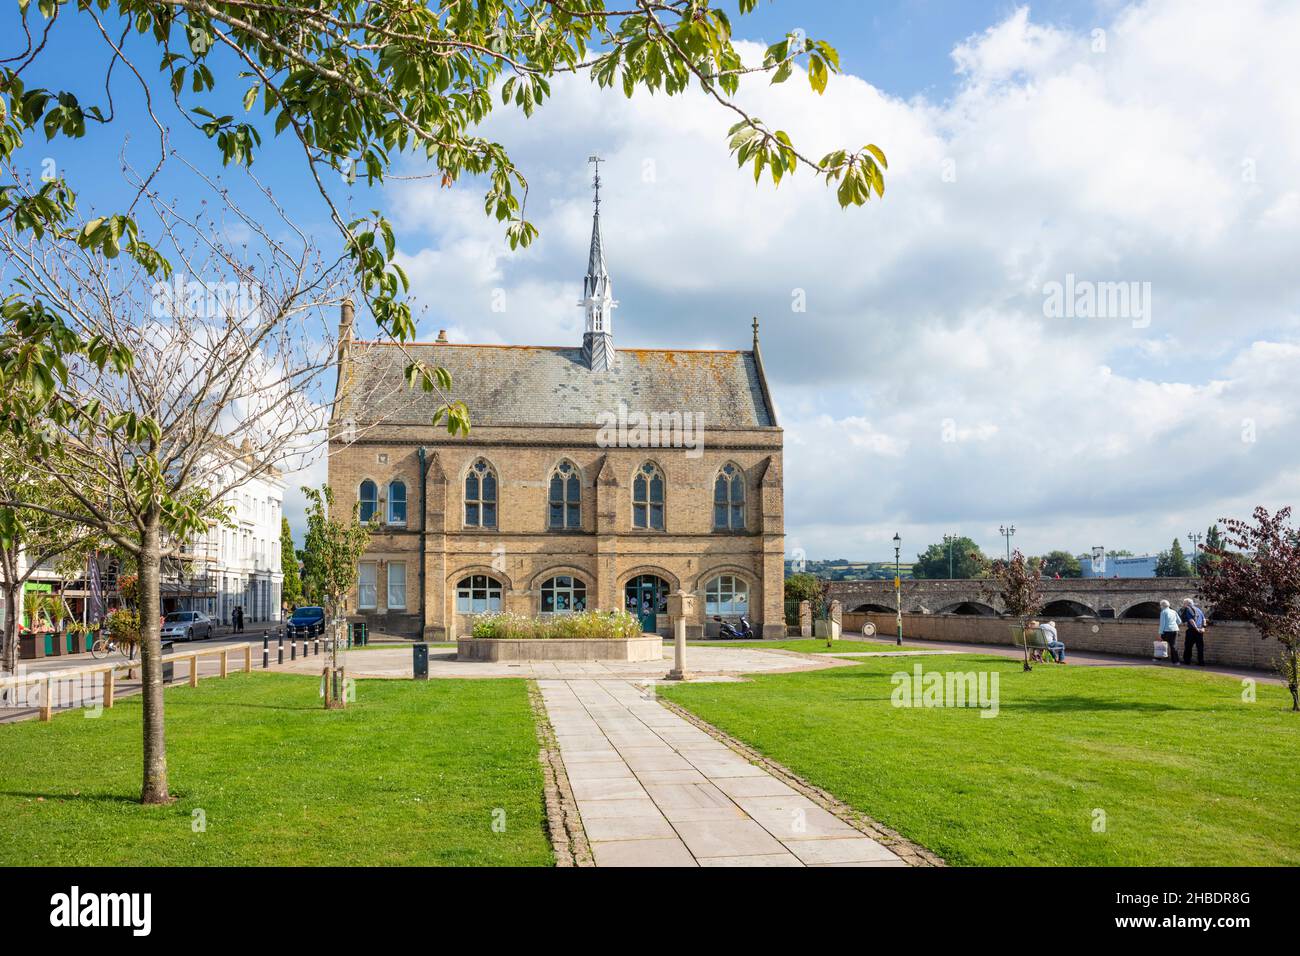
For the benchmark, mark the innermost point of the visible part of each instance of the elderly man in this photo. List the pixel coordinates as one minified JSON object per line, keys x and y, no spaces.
{"x":1169,"y":630}
{"x":1194,"y":618}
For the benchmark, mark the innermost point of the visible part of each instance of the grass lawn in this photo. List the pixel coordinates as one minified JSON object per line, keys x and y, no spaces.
{"x":411,"y":773}
{"x":810,"y":645}
{"x":1185,"y":772}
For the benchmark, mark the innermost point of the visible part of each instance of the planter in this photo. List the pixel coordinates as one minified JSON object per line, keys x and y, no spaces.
{"x":30,"y":646}
{"x":645,"y":648}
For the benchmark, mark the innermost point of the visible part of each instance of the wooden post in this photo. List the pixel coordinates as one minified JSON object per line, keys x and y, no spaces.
{"x":194,"y":670}
{"x":47,"y":701}
{"x":225,"y":661}
{"x":248,"y":658}
{"x":108,"y":689}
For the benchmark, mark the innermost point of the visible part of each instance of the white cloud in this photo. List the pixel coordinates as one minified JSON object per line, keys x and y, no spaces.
{"x":1168,"y":158}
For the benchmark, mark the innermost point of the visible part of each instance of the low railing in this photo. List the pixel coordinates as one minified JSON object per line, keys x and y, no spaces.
{"x":110,"y":671}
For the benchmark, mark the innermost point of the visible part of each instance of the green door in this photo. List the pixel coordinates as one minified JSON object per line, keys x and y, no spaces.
{"x":646,"y":600}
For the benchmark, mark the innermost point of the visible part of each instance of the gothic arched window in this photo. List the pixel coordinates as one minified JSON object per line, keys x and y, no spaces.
{"x":397,"y":502}
{"x":648,"y":498}
{"x":368,"y":496}
{"x":481,"y":496}
{"x":565,"y":497}
{"x":729,"y":499}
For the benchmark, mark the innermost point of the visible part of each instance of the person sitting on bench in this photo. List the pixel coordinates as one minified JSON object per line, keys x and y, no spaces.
{"x":1054,"y":645}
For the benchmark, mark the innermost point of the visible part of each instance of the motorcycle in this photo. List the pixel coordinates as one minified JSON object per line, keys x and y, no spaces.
{"x":729,"y":632}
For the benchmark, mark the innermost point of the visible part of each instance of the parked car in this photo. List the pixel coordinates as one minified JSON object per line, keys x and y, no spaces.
{"x":305,"y":622}
{"x":186,"y":626}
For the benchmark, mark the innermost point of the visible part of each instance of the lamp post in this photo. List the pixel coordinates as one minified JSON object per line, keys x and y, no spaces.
{"x":1195,"y":538}
{"x":898,"y":588}
{"x":1007,"y":532}
{"x":949,"y":540}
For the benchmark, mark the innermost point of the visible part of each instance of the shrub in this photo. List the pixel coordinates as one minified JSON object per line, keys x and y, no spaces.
{"x":583,"y":625}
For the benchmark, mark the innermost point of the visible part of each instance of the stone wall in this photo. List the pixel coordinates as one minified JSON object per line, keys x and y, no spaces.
{"x":1226,"y":644}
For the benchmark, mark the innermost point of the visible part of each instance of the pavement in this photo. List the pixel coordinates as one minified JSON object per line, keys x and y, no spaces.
{"x":720,"y":663}
{"x":654,"y":790}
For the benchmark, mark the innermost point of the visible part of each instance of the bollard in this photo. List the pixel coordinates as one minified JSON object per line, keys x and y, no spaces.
{"x":280,"y":635}
{"x":266,"y":650}
{"x":293,"y":649}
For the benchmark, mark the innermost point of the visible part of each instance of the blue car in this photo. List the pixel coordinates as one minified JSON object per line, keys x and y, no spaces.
{"x":306,"y":622}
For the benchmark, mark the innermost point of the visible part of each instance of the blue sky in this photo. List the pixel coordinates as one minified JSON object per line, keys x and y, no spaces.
{"x":924,"y":390}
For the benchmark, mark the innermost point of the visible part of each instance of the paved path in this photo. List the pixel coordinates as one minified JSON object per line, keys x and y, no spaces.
{"x":654,"y":790}
{"x":712,"y":663}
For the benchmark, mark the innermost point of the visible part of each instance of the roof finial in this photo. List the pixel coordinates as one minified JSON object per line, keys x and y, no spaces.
{"x":595,"y":160}
{"x":755,"y":331}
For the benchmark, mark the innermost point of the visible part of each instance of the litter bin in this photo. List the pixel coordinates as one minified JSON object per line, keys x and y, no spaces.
{"x":421,"y":661}
{"x":168,"y":667}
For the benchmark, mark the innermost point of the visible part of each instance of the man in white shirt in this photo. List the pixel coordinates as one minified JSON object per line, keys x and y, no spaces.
{"x":1169,"y":629}
{"x":1055,"y":647}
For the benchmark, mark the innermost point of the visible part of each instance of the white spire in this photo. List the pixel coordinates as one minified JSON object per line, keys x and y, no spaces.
{"x":597,"y":294}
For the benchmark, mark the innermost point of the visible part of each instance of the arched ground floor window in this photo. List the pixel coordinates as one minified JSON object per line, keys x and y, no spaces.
{"x":563,"y":594}
{"x":726,"y":595}
{"x":478,"y":594}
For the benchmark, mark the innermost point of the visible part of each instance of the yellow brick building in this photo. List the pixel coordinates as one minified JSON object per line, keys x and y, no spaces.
{"x":593,"y":477}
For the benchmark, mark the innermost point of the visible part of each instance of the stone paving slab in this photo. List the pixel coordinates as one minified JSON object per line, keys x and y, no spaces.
{"x":654,"y":790}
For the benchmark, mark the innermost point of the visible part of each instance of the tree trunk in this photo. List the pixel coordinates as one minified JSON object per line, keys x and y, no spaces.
{"x":10,"y":658}
{"x":154,"y":789}
{"x":1293,"y":677}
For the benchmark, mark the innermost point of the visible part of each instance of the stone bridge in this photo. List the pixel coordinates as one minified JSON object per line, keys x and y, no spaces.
{"x":1069,"y":597}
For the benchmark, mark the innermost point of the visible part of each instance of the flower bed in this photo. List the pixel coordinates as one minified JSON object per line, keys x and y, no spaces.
{"x":582,"y":626}
{"x":584,"y":636}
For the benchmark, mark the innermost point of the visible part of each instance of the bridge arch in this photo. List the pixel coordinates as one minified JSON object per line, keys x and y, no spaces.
{"x":1064,"y":607}
{"x":971,"y":608}
{"x":870,"y":608}
{"x":1142,"y":611}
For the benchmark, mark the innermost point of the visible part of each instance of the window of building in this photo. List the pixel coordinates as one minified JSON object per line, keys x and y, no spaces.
{"x":367,"y":585}
{"x":478,"y":594}
{"x":563,"y":595}
{"x":481,"y":496}
{"x":368,"y":496}
{"x":397,"y":502}
{"x":396,"y":585}
{"x":648,"y":498}
{"x":565,"y":497}
{"x":729,"y":499}
{"x":726,"y":595}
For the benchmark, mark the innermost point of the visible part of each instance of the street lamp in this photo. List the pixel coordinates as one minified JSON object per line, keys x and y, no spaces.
{"x":1007,"y":532}
{"x":898,"y":588}
{"x":949,"y":540}
{"x":1195,"y":538}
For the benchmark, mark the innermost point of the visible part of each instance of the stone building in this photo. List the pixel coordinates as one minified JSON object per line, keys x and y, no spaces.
{"x":593,"y":477}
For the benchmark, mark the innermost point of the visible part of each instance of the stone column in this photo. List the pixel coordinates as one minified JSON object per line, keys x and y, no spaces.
{"x":681,"y":606}
{"x":836,"y":621}
{"x":805,"y":619}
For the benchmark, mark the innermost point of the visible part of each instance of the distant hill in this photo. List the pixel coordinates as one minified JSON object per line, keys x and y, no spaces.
{"x":841,"y":569}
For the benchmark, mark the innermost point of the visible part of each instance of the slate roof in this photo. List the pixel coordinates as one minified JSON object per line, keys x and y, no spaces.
{"x":536,"y":385}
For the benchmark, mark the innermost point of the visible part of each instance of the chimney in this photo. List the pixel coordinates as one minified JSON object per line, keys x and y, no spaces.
{"x":442,"y":336}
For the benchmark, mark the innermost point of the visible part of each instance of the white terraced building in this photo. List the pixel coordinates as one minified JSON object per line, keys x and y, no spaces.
{"x":239,"y":565}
